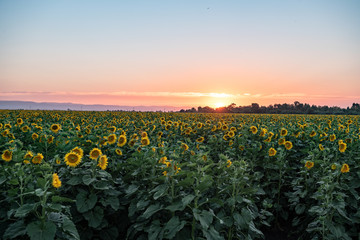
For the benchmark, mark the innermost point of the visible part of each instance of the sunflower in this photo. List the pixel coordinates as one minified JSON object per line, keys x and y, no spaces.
{"x":342,"y":147}
{"x":200,"y":139}
{"x":37,"y":159}
{"x":144,"y":134}
{"x":145,"y":141}
{"x":345,"y":168}
{"x":50,"y":139}
{"x":263,"y":132}
{"x":25,"y":128}
{"x":333,"y":166}
{"x":7,"y":125}
{"x":5,"y":132}
{"x":56,"y":181}
{"x":72,"y":159}
{"x":79,"y":151}
{"x":103,"y":162}
{"x":272,"y":152}
{"x":111,"y":138}
{"x":132,"y":142}
{"x":283,"y":132}
{"x":281,"y":141}
{"x":332,"y":137}
{"x":321,"y":147}
{"x":313,"y":133}
{"x":253,"y":129}
{"x":288,"y":145}
{"x":34,"y":136}
{"x":228,"y":163}
{"x":19,"y":121}
{"x":242,"y":148}
{"x":55,"y":128}
{"x":231,"y":134}
{"x":112,"y":129}
{"x":184,"y":146}
{"x":7,"y":155}
{"x":121,"y":141}
{"x":29,"y":154}
{"x":118,"y":152}
{"x":95,"y":153}
{"x":309,"y":164}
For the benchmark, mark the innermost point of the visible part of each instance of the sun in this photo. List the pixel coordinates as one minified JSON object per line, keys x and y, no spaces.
{"x":219,"y":104}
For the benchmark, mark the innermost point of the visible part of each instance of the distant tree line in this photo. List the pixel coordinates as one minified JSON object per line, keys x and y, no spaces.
{"x":285,"y":108}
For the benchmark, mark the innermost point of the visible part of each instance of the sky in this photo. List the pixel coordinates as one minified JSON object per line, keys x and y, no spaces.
{"x":180,"y":53}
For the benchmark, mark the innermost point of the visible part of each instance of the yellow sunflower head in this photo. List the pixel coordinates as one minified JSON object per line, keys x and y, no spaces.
{"x":309,"y":164}
{"x":145,"y":141}
{"x":37,"y":159}
{"x":111,"y":138}
{"x":79,"y":151}
{"x":345,"y":168}
{"x":272,"y":152}
{"x":95,"y":153}
{"x":313,"y":133}
{"x":56,"y":181}
{"x":55,"y":128}
{"x":332,"y":137}
{"x":288,"y":145}
{"x":118,"y":152}
{"x":103,"y":162}
{"x":283,"y":132}
{"x":200,"y":139}
{"x":342,"y":147}
{"x":7,"y":155}
{"x":122,"y":140}
{"x":72,"y":159}
{"x":29,"y":154}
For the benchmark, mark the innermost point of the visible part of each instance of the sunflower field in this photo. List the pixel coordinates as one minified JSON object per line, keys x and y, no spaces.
{"x":139,"y":175}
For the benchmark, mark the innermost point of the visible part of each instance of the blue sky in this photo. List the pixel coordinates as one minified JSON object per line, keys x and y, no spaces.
{"x":156,"y":51}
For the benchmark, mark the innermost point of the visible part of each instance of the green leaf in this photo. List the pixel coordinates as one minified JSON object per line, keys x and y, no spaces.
{"x":205,"y":218}
{"x":69,"y":227}
{"x":300,"y":208}
{"x":151,"y":210}
{"x":38,"y":231}
{"x":75,"y":180}
{"x":2,"y":179}
{"x":84,"y":202}
{"x":14,"y":230}
{"x":172,"y":227}
{"x":187,"y":199}
{"x":24,"y":210}
{"x":101,"y":185}
{"x":159,"y":191}
{"x":212,"y":234}
{"x":177,"y":206}
{"x":205,"y":183}
{"x":94,"y":217}
{"x":112,"y":201}
{"x":57,"y":199}
{"x":131,"y":190}
{"x":87,"y":179}
{"x":154,"y":230}
{"x":254,"y":229}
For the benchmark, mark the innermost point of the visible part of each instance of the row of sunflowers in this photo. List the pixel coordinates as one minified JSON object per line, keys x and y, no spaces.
{"x":146,"y":175}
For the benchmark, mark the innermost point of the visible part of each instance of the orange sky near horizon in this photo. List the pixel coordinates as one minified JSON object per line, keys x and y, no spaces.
{"x":187,"y":54}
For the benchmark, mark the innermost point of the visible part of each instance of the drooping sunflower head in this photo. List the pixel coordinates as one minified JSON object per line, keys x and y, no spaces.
{"x":50,"y":139}
{"x":28,"y":155}
{"x":200,"y":139}
{"x":118,"y":152}
{"x":309,"y":164}
{"x":34,"y":136}
{"x":25,"y":128}
{"x":321,"y":147}
{"x":184,"y":146}
{"x":122,"y":140}
{"x":56,"y":181}
{"x":313,"y":133}
{"x":37,"y":159}
{"x":253,"y":129}
{"x":345,"y":168}
{"x":272,"y":152}
{"x":7,"y":155}
{"x":112,"y":129}
{"x":72,"y":159}
{"x":103,"y":162}
{"x":111,"y":138}
{"x":95,"y":153}
{"x":288,"y":145}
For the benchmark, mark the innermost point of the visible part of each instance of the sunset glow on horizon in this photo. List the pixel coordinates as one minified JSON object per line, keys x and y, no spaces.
{"x":180,"y":53}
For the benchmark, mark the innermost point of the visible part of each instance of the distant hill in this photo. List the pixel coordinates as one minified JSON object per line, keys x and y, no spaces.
{"x":12,"y":105}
